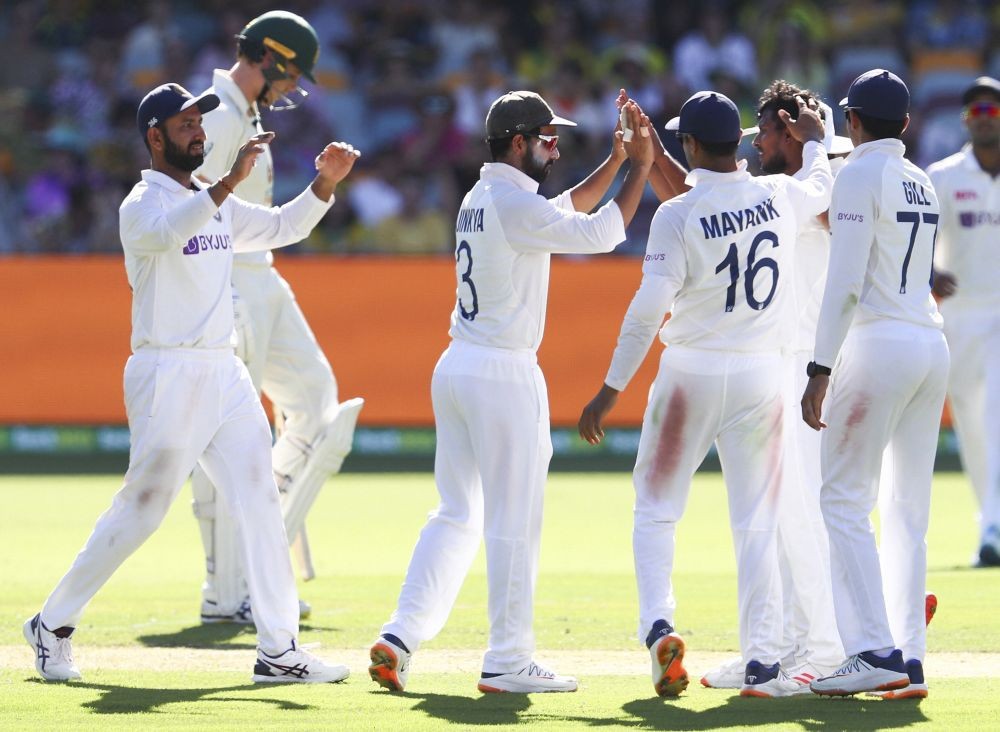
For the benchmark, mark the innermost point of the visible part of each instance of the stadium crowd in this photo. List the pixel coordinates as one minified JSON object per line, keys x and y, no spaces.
{"x":409,"y":83}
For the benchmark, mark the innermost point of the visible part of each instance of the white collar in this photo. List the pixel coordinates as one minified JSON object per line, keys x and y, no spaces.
{"x":503,"y":171}
{"x":701,"y":176}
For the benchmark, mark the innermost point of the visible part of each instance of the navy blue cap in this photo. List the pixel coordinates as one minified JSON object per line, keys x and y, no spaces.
{"x":984,"y":84}
{"x":167,"y":100}
{"x":710,"y":117}
{"x":880,"y":94}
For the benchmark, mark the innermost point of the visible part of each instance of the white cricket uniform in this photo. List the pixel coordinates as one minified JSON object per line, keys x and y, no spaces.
{"x":810,"y":630}
{"x":881,"y":332}
{"x":273,"y":338}
{"x":968,"y":246}
{"x":718,"y":256}
{"x":188,"y":398}
{"x":491,"y":411}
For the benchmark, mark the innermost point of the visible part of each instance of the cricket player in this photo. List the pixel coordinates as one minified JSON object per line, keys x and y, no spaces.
{"x":188,"y":397}
{"x":719,"y":257}
{"x":490,"y":403}
{"x":968,"y":270}
{"x":882,"y":356}
{"x":811,"y":647}
{"x":281,"y":353}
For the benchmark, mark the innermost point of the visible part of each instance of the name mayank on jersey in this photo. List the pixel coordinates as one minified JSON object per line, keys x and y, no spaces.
{"x":733,"y":222}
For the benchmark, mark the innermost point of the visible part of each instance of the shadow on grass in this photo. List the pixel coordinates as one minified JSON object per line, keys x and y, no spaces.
{"x":222,"y":636}
{"x":488,"y":709}
{"x":812,"y":713}
{"x":137,"y":700}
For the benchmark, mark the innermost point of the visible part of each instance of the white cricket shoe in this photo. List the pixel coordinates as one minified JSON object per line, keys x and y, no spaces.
{"x":864,"y":672}
{"x":244,"y":613}
{"x":295,"y":666}
{"x":729,"y":675}
{"x":53,"y":655}
{"x":767,"y":682}
{"x":807,"y":672}
{"x":390,"y":665}
{"x":529,"y":680}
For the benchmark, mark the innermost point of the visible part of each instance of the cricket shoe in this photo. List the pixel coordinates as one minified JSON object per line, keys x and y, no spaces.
{"x":390,"y":665}
{"x":295,"y":666}
{"x":666,"y":649}
{"x":728,"y":676}
{"x":767,"y":682}
{"x":917,"y":688}
{"x":244,"y":613}
{"x":805,"y":673}
{"x":53,"y":654}
{"x":864,"y":672}
{"x":529,"y":680}
{"x":930,"y":607}
{"x":989,"y":550}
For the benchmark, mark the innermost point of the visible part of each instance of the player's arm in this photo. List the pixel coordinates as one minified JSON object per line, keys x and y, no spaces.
{"x":667,"y":176}
{"x":811,"y":196}
{"x":852,"y":229}
{"x":943,"y":282}
{"x":589,"y":192}
{"x":146,"y":227}
{"x":257,"y":228}
{"x":664,"y":271}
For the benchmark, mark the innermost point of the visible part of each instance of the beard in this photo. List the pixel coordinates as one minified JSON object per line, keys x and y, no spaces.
{"x":537,"y":170}
{"x":774,"y":164}
{"x":183,"y":159}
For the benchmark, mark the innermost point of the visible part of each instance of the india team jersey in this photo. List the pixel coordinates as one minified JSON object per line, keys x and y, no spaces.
{"x":968,"y":244}
{"x":884,"y":219}
{"x":719,"y":257}
{"x":227,"y":128}
{"x":812,"y":252}
{"x":504,"y":235}
{"x":178,"y":256}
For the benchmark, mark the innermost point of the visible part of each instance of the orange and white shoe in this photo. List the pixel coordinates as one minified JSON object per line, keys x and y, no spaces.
{"x":930,"y":607}
{"x":390,"y":666}
{"x":917,"y":688}
{"x":666,"y":650}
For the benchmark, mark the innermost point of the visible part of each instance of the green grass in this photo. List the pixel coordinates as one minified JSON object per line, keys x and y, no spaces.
{"x":362,"y":531}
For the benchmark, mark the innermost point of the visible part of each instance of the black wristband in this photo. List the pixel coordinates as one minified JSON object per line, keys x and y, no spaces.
{"x":814,"y":369}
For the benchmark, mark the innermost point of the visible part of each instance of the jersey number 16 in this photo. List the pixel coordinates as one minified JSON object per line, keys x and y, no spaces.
{"x":754,"y":266}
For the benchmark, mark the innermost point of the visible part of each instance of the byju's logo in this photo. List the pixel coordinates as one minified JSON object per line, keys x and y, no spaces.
{"x":203,"y":243}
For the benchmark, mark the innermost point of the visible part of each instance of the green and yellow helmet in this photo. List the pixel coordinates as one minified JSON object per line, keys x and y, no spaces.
{"x":286,"y":35}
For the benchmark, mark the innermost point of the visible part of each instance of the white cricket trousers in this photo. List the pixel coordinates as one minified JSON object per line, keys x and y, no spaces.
{"x":493,"y":449}
{"x":887,"y":390}
{"x":810,"y":626}
{"x":735,"y":400}
{"x":973,"y":333}
{"x":186,"y":406}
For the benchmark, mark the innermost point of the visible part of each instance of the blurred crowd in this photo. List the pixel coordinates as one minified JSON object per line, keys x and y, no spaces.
{"x":409,"y":83}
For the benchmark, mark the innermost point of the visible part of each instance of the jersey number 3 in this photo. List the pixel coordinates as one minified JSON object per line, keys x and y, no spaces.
{"x":467,"y":279}
{"x":754,"y":266}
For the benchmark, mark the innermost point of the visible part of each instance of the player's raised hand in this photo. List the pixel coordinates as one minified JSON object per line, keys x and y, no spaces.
{"x":247,"y":155}
{"x":640,"y":150}
{"x":594,"y":413}
{"x":808,"y":127}
{"x":812,"y":401}
{"x":336,"y":161}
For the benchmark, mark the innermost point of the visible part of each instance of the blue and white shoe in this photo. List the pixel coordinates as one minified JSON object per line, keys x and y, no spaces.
{"x":989,"y":548}
{"x":864,"y":672}
{"x":916,"y":689}
{"x":295,"y":666}
{"x":767,"y":682}
{"x":53,"y":654}
{"x":244,"y":613}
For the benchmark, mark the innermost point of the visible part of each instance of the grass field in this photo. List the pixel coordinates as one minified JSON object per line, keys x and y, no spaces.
{"x":146,"y":661}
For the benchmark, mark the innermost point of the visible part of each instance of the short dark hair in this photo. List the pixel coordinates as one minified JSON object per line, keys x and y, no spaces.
{"x":499,"y":147}
{"x":880,"y":129}
{"x":781,"y":95}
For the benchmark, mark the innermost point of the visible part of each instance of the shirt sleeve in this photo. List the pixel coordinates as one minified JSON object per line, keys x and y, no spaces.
{"x":533,"y":224}
{"x":145,"y":227}
{"x":811,"y":196}
{"x":946,"y":222}
{"x":663,"y":273}
{"x":221,"y":144}
{"x":259,"y":228}
{"x":852,"y":233}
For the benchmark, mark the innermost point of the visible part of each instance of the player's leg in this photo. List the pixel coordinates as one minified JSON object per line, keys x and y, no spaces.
{"x":989,"y":552}
{"x":223,"y":591}
{"x":164,"y":400}
{"x":318,"y":431}
{"x":448,"y":542}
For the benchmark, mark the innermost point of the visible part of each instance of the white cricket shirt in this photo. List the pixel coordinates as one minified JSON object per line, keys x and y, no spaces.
{"x":504,"y":235}
{"x":227,"y":128}
{"x":720,"y":257}
{"x":812,"y":253}
{"x":883,"y":220}
{"x":179,"y":254}
{"x":968,"y":244}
